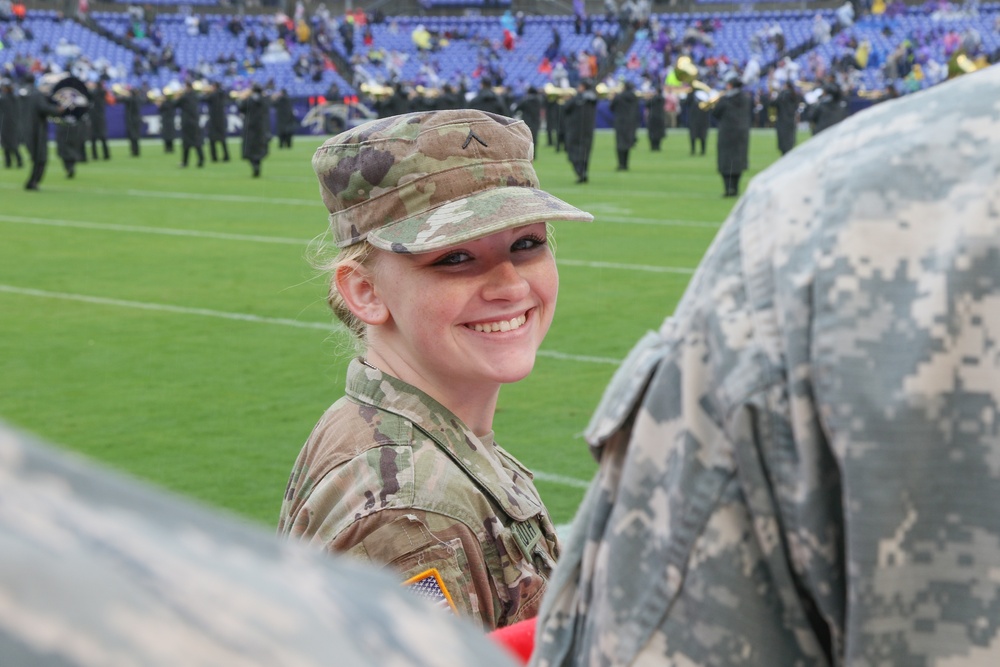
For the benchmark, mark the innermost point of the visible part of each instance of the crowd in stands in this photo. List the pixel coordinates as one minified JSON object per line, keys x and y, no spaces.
{"x":879,"y":48}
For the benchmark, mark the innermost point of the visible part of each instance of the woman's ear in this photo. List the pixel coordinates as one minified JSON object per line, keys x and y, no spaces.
{"x":356,"y":285}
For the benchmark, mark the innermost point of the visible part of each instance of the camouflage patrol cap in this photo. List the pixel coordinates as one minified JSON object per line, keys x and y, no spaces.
{"x":423,"y":181}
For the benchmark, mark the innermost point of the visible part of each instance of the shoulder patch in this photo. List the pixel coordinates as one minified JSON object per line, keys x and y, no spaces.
{"x":428,"y":585}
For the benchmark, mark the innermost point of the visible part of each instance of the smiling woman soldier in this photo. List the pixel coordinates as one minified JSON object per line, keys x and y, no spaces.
{"x":446,"y":277}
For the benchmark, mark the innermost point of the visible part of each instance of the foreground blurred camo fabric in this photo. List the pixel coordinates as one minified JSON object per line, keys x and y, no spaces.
{"x":96,"y":569}
{"x":802,"y":467}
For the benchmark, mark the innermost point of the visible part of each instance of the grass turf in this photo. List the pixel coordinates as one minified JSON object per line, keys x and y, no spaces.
{"x":165,"y":321}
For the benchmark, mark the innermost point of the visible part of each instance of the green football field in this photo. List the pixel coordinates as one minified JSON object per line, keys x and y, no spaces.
{"x":166,"y":321}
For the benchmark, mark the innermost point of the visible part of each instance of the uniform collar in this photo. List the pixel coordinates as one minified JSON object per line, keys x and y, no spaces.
{"x":481,"y":461}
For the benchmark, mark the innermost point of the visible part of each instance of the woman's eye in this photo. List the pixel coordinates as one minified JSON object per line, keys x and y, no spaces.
{"x":529,"y":242}
{"x":452,"y":259}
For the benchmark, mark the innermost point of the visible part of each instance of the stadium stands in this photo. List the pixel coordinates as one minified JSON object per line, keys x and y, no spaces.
{"x":465,"y":48}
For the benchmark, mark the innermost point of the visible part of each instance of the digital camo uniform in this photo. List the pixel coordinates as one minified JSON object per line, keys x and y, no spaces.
{"x":391,"y":476}
{"x":96,"y":570}
{"x":803,"y":466}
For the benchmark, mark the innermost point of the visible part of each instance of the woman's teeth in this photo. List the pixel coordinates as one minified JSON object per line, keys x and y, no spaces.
{"x":503,"y":325}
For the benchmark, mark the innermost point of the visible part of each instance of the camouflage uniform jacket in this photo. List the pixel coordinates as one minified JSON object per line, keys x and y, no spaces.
{"x":802,"y":467}
{"x":391,"y":476}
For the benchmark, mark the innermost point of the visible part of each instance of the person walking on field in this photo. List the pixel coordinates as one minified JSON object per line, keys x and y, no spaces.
{"x":38,"y":110}
{"x":10,"y":132}
{"x":218,"y":122}
{"x":191,"y":134}
{"x":99,"y":120}
{"x":133,"y":98}
{"x":579,"y":119}
{"x":656,"y":119}
{"x":285,"y":121}
{"x":625,"y":107}
{"x":786,"y":121}
{"x":732,"y":111}
{"x":256,"y":110}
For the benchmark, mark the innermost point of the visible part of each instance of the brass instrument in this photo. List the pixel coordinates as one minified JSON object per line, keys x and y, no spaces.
{"x":121,"y":90}
{"x":605,"y":91}
{"x":377,"y":91}
{"x":241,"y":94}
{"x":427,"y":93}
{"x":687,"y":72}
{"x":960,"y":63}
{"x":712,"y":96}
{"x":553,"y":92}
{"x":170,"y":91}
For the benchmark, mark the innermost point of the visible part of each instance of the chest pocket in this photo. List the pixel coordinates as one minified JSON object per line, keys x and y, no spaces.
{"x":527,"y":565}
{"x":624,"y":391}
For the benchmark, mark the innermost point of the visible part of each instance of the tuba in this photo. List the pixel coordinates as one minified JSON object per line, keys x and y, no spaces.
{"x":687,"y":72}
{"x":377,"y":91}
{"x":555,"y":93}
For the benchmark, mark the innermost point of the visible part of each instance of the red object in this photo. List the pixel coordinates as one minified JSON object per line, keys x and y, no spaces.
{"x":518,"y":639}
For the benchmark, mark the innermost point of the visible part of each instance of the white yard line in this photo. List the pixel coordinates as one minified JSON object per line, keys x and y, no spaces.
{"x":226,"y":236}
{"x":552,"y":478}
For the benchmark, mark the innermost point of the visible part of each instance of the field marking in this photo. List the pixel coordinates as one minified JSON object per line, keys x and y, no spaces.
{"x":626,"y":267}
{"x":167,"y":308}
{"x":196,"y":233}
{"x":552,"y":478}
{"x":560,"y":479}
{"x":654,"y":221}
{"x":166,"y":231}
{"x":243,"y":317}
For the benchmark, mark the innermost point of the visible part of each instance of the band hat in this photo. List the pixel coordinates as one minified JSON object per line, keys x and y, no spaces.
{"x":423,"y":181}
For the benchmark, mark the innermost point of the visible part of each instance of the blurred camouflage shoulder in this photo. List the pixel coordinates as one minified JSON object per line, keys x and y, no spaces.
{"x":97,"y":569}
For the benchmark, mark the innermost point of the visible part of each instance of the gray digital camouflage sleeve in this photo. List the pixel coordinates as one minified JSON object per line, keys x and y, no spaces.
{"x":802,"y":466}
{"x":97,"y":570}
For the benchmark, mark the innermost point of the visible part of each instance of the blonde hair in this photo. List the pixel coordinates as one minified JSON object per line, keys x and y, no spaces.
{"x":357,"y":253}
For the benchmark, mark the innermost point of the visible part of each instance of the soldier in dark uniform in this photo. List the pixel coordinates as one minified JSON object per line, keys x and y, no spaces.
{"x":733,"y":113}
{"x":786,"y":121}
{"x":218,"y":100}
{"x":829,"y":110}
{"x":487,"y":99}
{"x":191,"y":136}
{"x":256,"y":110}
{"x":579,"y":121}
{"x":70,"y":144}
{"x":625,"y":107}
{"x":530,"y":108}
{"x":449,"y":98}
{"x":99,"y":120}
{"x":10,"y":125}
{"x":697,"y":120}
{"x":656,"y":119}
{"x":168,"y":122}
{"x":284,"y":119}
{"x":394,"y":104}
{"x":422,"y":99}
{"x":553,"y":120}
{"x":38,"y":108}
{"x":133,"y":118}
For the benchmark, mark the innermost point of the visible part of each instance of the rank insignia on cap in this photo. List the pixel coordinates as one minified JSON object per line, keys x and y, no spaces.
{"x":429,"y":586}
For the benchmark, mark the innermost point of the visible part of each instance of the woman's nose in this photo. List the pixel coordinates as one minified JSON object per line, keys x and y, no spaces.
{"x":505,"y":282}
